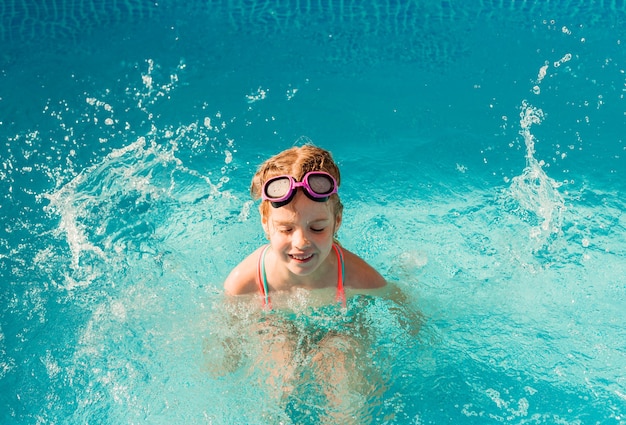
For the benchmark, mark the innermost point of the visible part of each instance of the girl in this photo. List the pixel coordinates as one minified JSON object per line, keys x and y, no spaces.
{"x":310,"y":354}
{"x":300,"y":214}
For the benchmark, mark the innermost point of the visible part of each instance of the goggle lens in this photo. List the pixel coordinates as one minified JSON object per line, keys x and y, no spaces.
{"x":320,"y":184}
{"x":277,"y":188}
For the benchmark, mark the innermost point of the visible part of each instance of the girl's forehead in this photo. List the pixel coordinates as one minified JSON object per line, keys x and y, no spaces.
{"x":302,"y":208}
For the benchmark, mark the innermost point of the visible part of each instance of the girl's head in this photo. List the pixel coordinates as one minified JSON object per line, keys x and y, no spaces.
{"x":296,"y":162}
{"x":301,"y":228}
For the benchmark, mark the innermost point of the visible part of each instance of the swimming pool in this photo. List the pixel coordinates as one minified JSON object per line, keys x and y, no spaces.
{"x":482,"y":154}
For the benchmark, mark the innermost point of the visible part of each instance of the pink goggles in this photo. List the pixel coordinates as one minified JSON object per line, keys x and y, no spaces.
{"x":316,"y":185}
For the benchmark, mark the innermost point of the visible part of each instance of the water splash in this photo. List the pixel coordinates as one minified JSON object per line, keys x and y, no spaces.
{"x":115,"y":206}
{"x":151,"y":90}
{"x":535,"y":193}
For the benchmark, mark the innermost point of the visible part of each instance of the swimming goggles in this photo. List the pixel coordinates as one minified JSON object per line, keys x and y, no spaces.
{"x":316,"y":185}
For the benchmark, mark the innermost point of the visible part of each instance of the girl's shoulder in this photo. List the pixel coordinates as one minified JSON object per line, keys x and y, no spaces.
{"x":243,"y":278}
{"x":359,"y":274}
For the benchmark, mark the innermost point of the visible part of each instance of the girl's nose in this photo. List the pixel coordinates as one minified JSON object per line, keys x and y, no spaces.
{"x":300,"y":240}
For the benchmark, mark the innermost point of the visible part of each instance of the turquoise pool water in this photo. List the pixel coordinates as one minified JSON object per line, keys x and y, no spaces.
{"x":482,"y":154}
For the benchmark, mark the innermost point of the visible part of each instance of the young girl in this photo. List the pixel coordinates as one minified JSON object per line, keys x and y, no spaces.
{"x":301,"y":214}
{"x":311,"y":355}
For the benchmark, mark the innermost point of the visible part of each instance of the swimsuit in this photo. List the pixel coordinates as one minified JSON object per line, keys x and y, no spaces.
{"x":340,"y":296}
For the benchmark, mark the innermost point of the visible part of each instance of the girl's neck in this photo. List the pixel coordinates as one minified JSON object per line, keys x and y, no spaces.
{"x":282,"y":279}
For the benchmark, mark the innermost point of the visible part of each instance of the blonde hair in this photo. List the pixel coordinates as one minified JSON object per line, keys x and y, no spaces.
{"x":296,"y":162}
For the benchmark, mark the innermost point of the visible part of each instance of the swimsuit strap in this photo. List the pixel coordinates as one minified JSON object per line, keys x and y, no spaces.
{"x":341,"y":293}
{"x":262,"y":277}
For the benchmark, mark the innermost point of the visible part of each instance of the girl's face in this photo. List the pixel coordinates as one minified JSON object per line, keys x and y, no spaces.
{"x":301,"y":233}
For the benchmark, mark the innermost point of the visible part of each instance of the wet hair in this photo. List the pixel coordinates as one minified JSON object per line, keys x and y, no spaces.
{"x":296,"y":162}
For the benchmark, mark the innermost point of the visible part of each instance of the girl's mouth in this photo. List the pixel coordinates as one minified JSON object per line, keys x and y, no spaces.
{"x":301,"y":258}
